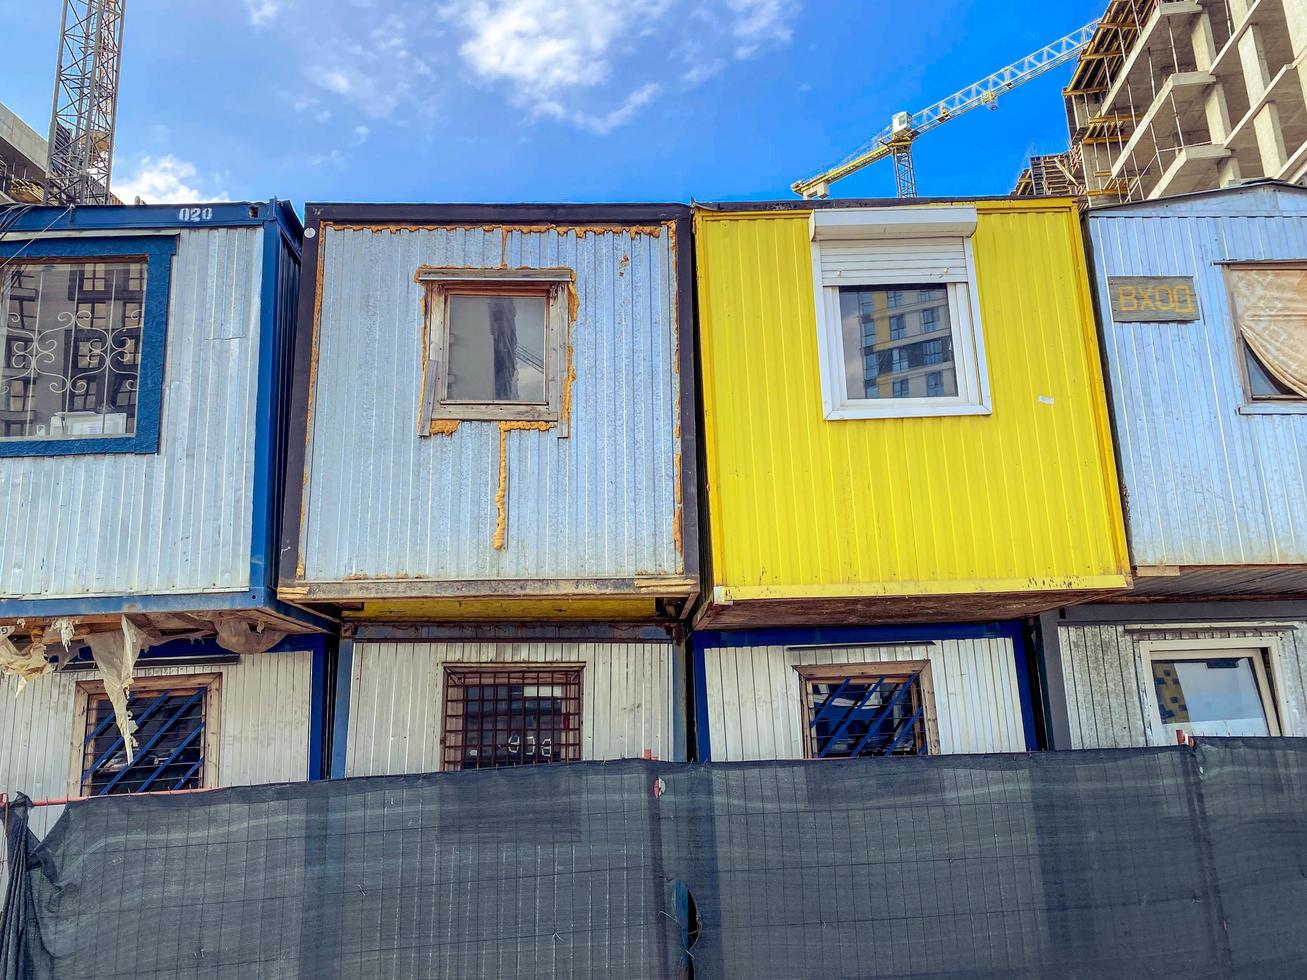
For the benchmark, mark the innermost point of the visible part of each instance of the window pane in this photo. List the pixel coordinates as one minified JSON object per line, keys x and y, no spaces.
{"x":1261,"y":382}
{"x":906,"y":354}
{"x":71,"y":335}
{"x":496,"y":349}
{"x":1218,"y":696}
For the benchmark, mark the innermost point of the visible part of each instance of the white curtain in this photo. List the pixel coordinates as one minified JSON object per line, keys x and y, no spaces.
{"x":1271,"y":309}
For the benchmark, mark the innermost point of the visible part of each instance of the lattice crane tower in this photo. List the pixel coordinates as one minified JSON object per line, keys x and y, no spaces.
{"x":896,"y":139}
{"x":85,"y":103}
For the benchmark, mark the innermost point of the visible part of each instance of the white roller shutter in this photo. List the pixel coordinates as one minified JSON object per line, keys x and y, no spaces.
{"x":893,"y":246}
{"x":891,"y":262}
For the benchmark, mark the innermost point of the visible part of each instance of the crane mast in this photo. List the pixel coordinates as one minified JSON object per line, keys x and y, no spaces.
{"x":896,"y":139}
{"x":85,"y":103}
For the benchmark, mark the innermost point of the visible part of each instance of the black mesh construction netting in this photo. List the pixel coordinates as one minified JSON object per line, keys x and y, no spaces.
{"x":1153,"y":862}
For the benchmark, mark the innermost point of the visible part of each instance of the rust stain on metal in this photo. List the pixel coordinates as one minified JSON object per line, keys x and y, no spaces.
{"x":676,"y":313}
{"x":313,"y":381}
{"x":573,"y":299}
{"x":444,"y":427}
{"x":569,"y":379}
{"x":429,"y":275}
{"x":425,"y":307}
{"x":507,"y":228}
{"x":501,"y":491}
{"x":623,"y":265}
{"x":678,"y":510}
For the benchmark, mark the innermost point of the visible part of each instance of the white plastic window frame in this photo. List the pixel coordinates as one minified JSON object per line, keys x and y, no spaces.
{"x":1266,"y":668}
{"x":896,"y":225}
{"x":440,"y":284}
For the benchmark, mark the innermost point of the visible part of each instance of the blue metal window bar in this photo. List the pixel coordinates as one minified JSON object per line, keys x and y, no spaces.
{"x":865,"y":714}
{"x":170,"y":744}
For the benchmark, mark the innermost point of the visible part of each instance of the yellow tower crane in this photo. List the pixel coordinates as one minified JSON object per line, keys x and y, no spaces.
{"x":896,"y":139}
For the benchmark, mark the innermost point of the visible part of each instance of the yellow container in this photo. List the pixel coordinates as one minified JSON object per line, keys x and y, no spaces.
{"x":973,"y":517}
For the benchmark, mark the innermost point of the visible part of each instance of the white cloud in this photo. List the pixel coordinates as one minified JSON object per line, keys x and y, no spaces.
{"x":359,"y":136}
{"x":164,"y":180}
{"x":381,"y":67}
{"x":262,"y":11}
{"x":617,"y":117}
{"x":757,"y":23}
{"x":593,"y":64}
{"x":543,"y":47}
{"x":553,"y":55}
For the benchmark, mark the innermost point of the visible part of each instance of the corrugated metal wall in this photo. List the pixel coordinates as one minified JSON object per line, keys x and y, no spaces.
{"x":755,"y":708}
{"x":1203,"y":483}
{"x":1021,"y":500}
{"x":629,"y":701}
{"x":384,"y":503}
{"x":1105,"y":676}
{"x":263,"y":728}
{"x":178,"y":520}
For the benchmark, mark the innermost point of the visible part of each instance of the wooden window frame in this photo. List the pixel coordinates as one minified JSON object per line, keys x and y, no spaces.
{"x":1266,"y":668}
{"x":440,"y":284}
{"x":808,"y":673}
{"x":1254,"y":404}
{"x":501,"y":667}
{"x":212,"y":683}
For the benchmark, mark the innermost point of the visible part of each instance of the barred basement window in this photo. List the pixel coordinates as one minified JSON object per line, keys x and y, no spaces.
{"x":173,"y":743}
{"x":853,"y":710}
{"x":511,"y":716}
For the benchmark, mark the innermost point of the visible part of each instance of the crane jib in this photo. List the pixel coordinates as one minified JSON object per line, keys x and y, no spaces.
{"x":896,"y":139}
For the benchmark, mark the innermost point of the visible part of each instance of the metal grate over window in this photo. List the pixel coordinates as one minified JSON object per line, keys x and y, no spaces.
{"x":169,"y":743}
{"x":862,"y":713}
{"x":511,"y":716}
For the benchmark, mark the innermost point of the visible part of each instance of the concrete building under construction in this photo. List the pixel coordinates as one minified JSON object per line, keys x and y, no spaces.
{"x":1172,"y":96}
{"x":22,"y":160}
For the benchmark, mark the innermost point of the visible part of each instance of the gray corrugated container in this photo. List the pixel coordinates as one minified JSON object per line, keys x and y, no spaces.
{"x":600,"y":507}
{"x":1209,"y":479}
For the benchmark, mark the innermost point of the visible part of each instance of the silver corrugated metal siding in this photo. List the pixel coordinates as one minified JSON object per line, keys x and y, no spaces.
{"x":1204,"y":484}
{"x":383,"y":502}
{"x":177,"y":520}
{"x":629,"y":704}
{"x":263,"y":726}
{"x":1105,"y":676}
{"x":755,"y":710}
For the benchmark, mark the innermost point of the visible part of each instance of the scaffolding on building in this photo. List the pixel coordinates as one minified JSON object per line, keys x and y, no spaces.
{"x":1172,"y":96}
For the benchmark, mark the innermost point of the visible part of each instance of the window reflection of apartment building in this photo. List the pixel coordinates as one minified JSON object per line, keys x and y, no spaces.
{"x":72,"y":348}
{"x":907,"y":347}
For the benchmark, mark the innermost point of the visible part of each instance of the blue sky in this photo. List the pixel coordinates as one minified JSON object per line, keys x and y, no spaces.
{"x":549,"y":100}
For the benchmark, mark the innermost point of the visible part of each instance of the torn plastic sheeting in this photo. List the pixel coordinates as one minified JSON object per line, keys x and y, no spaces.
{"x":241,"y":636}
{"x":115,"y":656}
{"x":27,"y":665}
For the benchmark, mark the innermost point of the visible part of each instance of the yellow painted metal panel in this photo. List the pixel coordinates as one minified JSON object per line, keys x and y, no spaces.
{"x":596,"y":608}
{"x":1022,"y":500}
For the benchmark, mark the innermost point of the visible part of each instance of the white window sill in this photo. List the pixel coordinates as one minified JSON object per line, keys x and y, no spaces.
{"x":1274,"y":408}
{"x":907,"y":410}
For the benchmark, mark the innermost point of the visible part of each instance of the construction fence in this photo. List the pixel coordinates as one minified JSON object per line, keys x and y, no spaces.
{"x":1152,"y":862}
